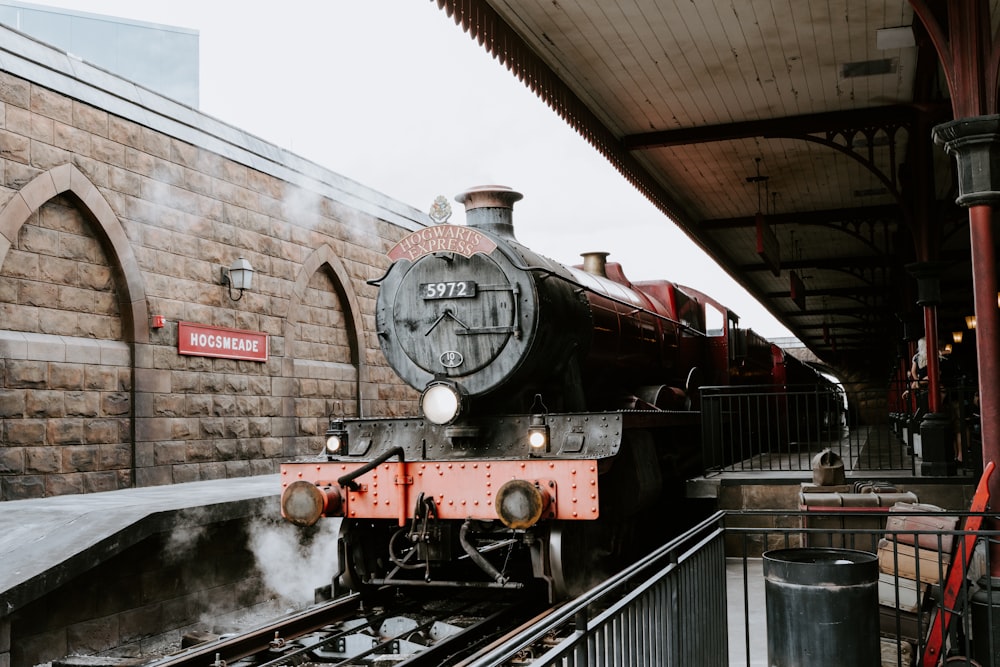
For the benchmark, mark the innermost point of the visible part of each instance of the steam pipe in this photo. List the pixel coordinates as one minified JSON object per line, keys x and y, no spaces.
{"x":477,"y":557}
{"x":401,"y":480}
{"x":348,"y":479}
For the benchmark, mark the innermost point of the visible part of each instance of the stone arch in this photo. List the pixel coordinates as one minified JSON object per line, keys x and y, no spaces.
{"x":322,"y":258}
{"x":67,"y":179}
{"x":83,"y":384}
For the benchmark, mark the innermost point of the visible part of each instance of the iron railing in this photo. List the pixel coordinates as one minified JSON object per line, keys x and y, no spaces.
{"x":760,"y":427}
{"x":665,"y":610}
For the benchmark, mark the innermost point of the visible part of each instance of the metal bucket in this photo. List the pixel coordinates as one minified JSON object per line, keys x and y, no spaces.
{"x":822,"y":607}
{"x":828,"y":468}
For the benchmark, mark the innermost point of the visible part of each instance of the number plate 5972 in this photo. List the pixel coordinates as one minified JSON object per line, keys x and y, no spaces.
{"x":452,"y":289}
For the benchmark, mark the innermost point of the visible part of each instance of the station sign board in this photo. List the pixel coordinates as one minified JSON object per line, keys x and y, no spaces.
{"x":206,"y":341}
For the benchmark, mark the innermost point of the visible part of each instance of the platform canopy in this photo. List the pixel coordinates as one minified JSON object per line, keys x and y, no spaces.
{"x":791,"y":140}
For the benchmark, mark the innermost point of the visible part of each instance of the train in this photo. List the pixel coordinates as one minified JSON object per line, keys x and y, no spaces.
{"x":559,"y":414}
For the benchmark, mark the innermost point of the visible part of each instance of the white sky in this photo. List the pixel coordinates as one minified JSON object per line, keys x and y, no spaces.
{"x":392,"y":94}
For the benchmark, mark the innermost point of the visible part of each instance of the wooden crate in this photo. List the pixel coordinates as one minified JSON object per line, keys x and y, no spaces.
{"x":910,"y":592}
{"x":890,"y":649}
{"x":902,"y":560}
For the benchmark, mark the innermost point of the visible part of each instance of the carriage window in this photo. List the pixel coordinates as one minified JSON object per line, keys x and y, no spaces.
{"x":715,"y":321}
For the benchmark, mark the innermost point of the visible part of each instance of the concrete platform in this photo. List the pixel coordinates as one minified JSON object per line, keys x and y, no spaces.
{"x":45,"y":542}
{"x":746,"y":619}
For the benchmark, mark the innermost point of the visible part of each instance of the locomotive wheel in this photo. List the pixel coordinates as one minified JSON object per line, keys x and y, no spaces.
{"x":579,"y":557}
{"x":363,"y":553}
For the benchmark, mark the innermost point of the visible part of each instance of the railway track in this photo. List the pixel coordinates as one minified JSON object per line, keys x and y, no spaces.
{"x":373,"y":631}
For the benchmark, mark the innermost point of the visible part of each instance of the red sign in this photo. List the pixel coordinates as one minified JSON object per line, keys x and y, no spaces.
{"x":204,"y":341}
{"x":465,"y":241}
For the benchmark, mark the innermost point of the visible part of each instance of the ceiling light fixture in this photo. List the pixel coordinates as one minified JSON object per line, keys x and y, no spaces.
{"x":900,"y":37}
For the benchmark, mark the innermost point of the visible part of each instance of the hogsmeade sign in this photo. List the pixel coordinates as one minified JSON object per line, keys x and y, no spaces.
{"x":442,"y":238}
{"x":204,"y":341}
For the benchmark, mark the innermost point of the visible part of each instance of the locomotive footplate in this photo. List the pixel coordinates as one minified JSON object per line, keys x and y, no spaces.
{"x":386,"y":464}
{"x":460,"y":489}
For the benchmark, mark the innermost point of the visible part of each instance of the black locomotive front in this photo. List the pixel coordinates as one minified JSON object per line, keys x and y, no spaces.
{"x":476,"y":321}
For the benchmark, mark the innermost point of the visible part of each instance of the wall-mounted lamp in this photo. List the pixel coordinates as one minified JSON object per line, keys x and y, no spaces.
{"x":957,"y":336}
{"x":238,"y":276}
{"x":970,"y":321}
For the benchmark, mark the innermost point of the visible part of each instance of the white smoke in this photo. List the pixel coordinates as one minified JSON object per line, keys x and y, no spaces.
{"x":293,"y":561}
{"x":183,"y":540}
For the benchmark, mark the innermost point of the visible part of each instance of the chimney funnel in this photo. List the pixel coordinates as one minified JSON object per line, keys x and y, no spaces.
{"x":490,"y":208}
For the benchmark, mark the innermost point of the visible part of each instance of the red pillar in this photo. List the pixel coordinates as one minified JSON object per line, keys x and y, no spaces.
{"x":928,"y":275}
{"x":987,"y":337}
{"x":973,"y":142}
{"x":967,"y":49}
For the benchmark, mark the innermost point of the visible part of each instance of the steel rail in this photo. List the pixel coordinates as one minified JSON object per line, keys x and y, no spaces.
{"x":229,"y":649}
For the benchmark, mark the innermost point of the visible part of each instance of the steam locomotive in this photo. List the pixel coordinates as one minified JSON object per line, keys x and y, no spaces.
{"x":559,"y":414}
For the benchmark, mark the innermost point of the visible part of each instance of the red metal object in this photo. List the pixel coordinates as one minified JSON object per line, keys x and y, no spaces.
{"x":955,"y":580}
{"x":402,"y":481}
{"x":460,"y":489}
{"x":632,"y":330}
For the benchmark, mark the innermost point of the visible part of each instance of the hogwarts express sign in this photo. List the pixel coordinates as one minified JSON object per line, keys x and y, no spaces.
{"x":204,"y":341}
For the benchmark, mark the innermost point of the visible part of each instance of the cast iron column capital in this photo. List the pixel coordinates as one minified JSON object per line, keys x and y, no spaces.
{"x":928,"y":275}
{"x":975,"y":144}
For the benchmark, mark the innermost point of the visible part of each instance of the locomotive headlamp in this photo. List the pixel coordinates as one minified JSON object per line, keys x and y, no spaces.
{"x":336,"y":437}
{"x":538,"y":433}
{"x":520,"y":504}
{"x":441,"y":402}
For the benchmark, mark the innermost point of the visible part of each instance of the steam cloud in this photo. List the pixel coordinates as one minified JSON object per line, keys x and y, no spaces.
{"x":294,"y":562}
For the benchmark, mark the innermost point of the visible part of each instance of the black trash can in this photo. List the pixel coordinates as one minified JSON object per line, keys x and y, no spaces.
{"x":822,"y":607}
{"x":986,"y":622}
{"x":937,"y":448}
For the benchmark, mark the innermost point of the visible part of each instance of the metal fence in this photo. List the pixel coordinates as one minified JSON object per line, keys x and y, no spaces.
{"x":666,"y":609}
{"x":747,"y":428}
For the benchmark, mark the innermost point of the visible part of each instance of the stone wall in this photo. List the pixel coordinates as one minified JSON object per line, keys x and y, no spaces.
{"x":106,"y":222}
